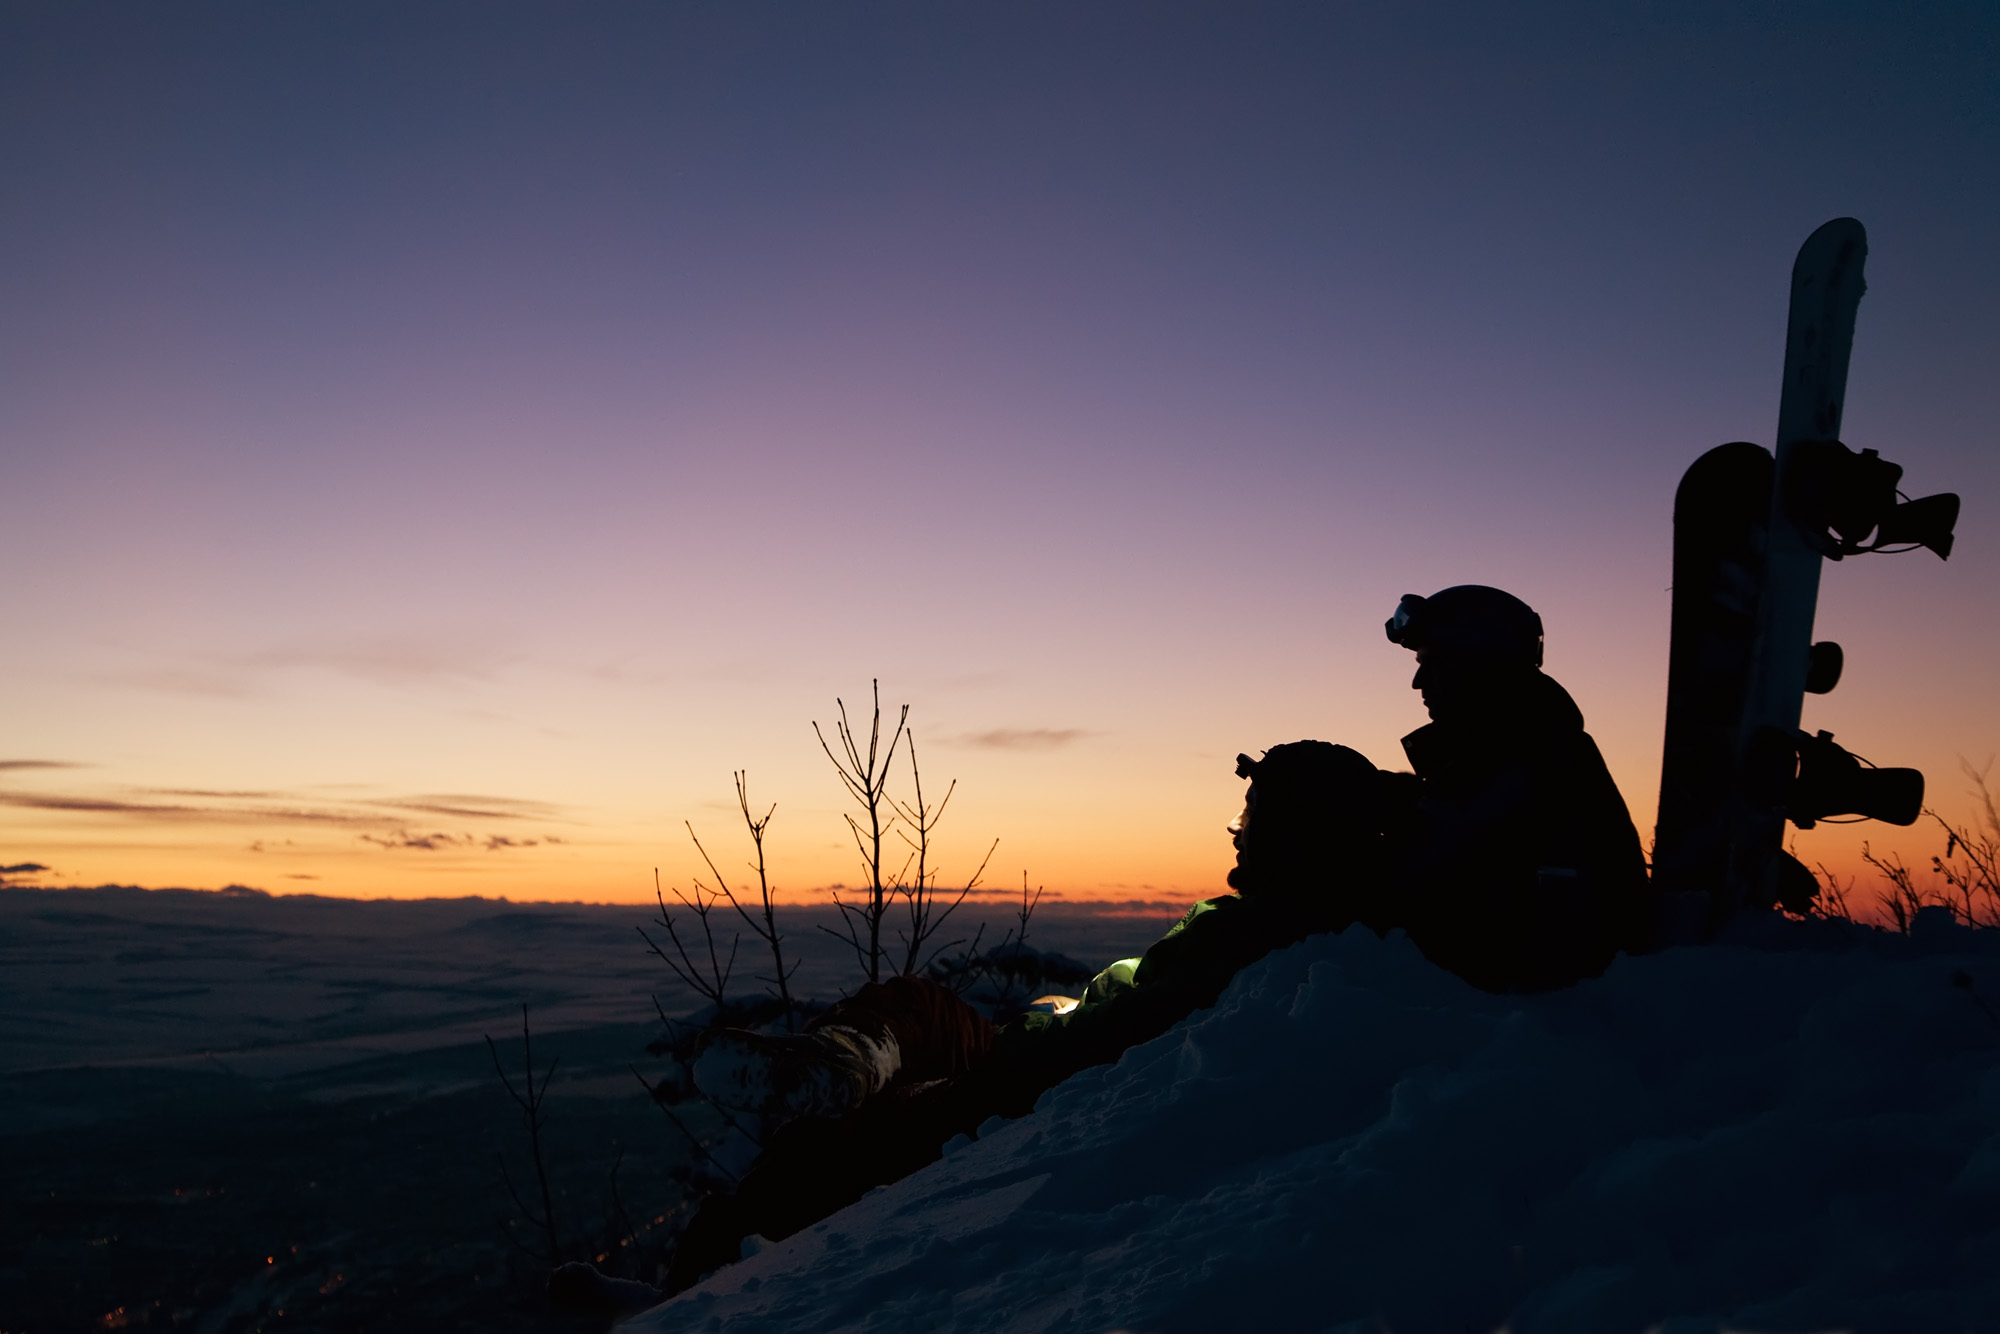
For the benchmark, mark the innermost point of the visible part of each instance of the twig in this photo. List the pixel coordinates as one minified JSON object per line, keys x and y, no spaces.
{"x":506,"y":1226}
{"x":1963,"y":981}
{"x":715,"y":982}
{"x":1903,"y":899}
{"x":1832,"y":902}
{"x":866,"y":779}
{"x":1970,"y":866}
{"x":693,"y":1139}
{"x":533,"y":1117}
{"x":964,"y":975}
{"x":1028,"y":905}
{"x":619,"y":1215}
{"x":765,"y":930}
{"x":926,"y":919}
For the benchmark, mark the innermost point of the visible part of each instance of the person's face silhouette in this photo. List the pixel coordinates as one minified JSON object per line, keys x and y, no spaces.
{"x":1440,"y":681}
{"x":1240,"y":826}
{"x":1461,"y":687}
{"x":1239,"y":835}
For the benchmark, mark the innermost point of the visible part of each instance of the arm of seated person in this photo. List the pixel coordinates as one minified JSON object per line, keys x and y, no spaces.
{"x":1136,"y":1000}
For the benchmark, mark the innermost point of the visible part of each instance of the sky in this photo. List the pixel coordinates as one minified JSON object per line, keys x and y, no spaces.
{"x":442,"y":443}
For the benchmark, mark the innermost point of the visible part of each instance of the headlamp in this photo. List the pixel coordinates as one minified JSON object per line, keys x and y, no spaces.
{"x":1397,"y":627}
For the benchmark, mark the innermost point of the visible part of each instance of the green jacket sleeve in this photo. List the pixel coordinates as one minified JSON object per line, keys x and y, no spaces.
{"x":1136,"y":1000}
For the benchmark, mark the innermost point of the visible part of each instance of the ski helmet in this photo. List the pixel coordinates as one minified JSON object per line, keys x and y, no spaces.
{"x":1469,"y":618}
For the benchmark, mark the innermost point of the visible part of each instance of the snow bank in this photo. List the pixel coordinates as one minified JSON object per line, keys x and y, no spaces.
{"x":1795,"y":1133}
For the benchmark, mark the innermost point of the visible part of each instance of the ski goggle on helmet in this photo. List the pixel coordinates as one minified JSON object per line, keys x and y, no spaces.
{"x":1472,"y":619}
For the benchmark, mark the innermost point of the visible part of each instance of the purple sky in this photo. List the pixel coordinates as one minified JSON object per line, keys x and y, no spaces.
{"x":412,"y":410}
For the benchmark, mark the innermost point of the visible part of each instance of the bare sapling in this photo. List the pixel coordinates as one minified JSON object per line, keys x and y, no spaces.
{"x":764,"y":922}
{"x":708,"y":980}
{"x":866,"y":776}
{"x":1027,"y":909}
{"x":921,"y":894}
{"x":1965,"y":878}
{"x":1970,"y":866}
{"x":618,"y":1228}
{"x":1016,"y":963}
{"x":1007,"y":965}
{"x":531,"y":1099}
{"x":1902,"y":898}
{"x":660,"y":1097}
{"x":702,"y":966}
{"x":1831,"y":901}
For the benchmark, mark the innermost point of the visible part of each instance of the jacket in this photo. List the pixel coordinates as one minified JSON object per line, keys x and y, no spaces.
{"x":1521,"y":868}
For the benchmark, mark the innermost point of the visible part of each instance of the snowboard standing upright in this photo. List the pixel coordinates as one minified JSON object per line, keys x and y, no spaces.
{"x":1746,"y":585}
{"x":1721,"y":519}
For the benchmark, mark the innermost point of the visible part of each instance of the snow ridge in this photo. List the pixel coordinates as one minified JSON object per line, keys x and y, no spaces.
{"x":1795,"y":1132}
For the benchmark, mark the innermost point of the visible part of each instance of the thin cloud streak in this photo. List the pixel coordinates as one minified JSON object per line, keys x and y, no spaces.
{"x":6,"y":765}
{"x":1023,"y":738}
{"x":49,"y":801}
{"x":389,"y":660}
{"x":364,"y":813}
{"x":421,"y":842}
{"x":202,"y":683}
{"x":214,"y":795}
{"x":473,"y":807}
{"x":440,"y":841}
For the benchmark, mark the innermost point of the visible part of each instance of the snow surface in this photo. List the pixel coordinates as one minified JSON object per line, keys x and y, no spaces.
{"x":1799,"y":1132}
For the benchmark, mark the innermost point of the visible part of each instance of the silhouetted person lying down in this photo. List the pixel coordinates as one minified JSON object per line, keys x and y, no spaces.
{"x":882,"y":1080}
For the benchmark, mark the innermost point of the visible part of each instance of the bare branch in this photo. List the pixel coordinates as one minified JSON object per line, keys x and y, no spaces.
{"x":767,"y":930}
{"x":693,"y":1139}
{"x":712,"y":982}
{"x":933,"y":919}
{"x":866,"y":777}
{"x":852,"y":918}
{"x":936,"y":950}
{"x":529,"y":1099}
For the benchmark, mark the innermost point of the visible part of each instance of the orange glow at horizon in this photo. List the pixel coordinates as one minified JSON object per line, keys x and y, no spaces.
{"x":434,"y":466}
{"x":1086,"y":816}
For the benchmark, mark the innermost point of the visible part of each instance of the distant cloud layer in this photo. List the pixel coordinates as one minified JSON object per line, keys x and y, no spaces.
{"x":382,"y":821}
{"x":391,"y":660}
{"x":421,"y":842}
{"x":396,"y":661}
{"x":1024,"y":738}
{"x":440,"y":841}
{"x":474,"y":807}
{"x":47,"y":801}
{"x":154,"y":810}
{"x":212,"y":794}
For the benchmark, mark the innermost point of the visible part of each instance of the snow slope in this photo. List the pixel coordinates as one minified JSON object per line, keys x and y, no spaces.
{"x":1796,"y":1132}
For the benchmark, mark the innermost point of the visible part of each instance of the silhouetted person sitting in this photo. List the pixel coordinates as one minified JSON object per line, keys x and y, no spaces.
{"x":882,"y":1080}
{"x":1519,"y":867}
